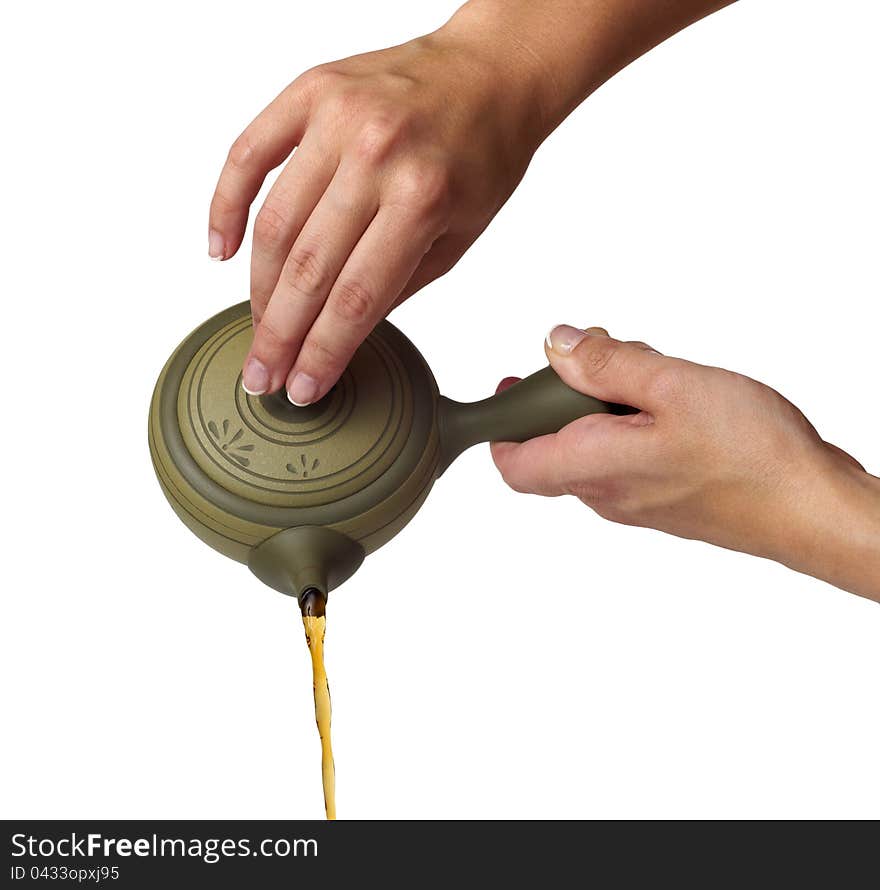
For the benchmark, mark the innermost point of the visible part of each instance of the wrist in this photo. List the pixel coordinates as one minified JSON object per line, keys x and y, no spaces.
{"x":566,"y":49}
{"x":495,"y":33}
{"x":832,"y":526}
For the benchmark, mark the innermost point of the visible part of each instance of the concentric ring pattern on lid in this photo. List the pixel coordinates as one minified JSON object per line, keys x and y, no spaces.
{"x":271,"y":452}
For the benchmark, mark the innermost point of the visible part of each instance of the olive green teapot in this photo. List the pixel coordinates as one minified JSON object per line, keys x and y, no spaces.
{"x":303,"y":494}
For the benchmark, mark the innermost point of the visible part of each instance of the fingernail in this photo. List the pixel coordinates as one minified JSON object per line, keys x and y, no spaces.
{"x":563,"y":338}
{"x":255,"y":377}
{"x":506,"y":383}
{"x":303,"y":390}
{"x":216,"y":247}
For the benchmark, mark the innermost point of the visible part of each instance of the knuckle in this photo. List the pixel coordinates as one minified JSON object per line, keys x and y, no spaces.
{"x":317,"y":354}
{"x":377,"y":139}
{"x":270,"y":225}
{"x":258,"y":306}
{"x":425,"y":186}
{"x":221,"y":203}
{"x":597,"y":355}
{"x":353,"y":302}
{"x":344,"y":103}
{"x":590,"y":492}
{"x":606,"y":499}
{"x":242,"y":152}
{"x":313,"y":80}
{"x":304,"y":271}
{"x":308,"y":92}
{"x":270,"y":338}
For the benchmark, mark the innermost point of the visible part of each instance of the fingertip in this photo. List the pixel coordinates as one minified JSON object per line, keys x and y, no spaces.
{"x":216,"y":245}
{"x":255,"y":377}
{"x":506,"y":383}
{"x":313,"y":375}
{"x":563,"y":339}
{"x":268,"y":362}
{"x":303,"y":389}
{"x":224,"y":241}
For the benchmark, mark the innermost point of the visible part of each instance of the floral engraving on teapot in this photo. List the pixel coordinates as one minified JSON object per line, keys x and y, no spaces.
{"x":304,"y":468}
{"x":230,"y":444}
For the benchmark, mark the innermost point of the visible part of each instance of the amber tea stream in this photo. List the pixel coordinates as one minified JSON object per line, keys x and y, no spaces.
{"x":315,"y":626}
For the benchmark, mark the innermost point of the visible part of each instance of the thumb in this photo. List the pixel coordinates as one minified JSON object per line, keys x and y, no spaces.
{"x":609,"y":369}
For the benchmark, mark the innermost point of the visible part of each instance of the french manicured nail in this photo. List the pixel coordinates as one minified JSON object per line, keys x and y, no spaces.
{"x":216,"y":247}
{"x":563,"y":338}
{"x":255,"y":377}
{"x":303,"y":390}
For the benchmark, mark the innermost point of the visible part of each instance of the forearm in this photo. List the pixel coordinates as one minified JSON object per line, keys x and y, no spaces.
{"x":568,"y":48}
{"x":834,"y":530}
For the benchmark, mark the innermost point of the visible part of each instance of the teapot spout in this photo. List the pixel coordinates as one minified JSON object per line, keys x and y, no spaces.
{"x":313,"y":603}
{"x":306,"y":562}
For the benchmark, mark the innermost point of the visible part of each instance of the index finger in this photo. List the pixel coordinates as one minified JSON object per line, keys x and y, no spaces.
{"x":264,"y":144}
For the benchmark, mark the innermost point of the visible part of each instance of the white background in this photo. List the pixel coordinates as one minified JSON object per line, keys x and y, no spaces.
{"x":718,"y":199}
